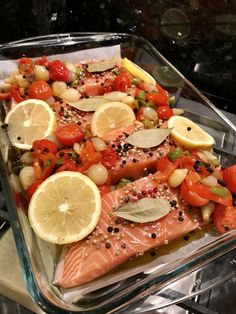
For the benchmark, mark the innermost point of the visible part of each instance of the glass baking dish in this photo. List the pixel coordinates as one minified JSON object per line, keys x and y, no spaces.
{"x":127,"y":287}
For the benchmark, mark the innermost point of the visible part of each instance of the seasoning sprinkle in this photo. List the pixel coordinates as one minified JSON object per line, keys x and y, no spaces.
{"x":109,"y":229}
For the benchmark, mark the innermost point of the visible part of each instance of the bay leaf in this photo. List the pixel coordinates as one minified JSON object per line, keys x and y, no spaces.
{"x":88,"y":104}
{"x":148,"y":138}
{"x":114,"y":96}
{"x":103,"y":65}
{"x":145,"y":210}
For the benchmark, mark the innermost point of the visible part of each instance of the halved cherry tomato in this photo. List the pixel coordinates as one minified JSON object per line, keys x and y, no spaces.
{"x":104,"y":189}
{"x":224,"y":218}
{"x":69,"y":134}
{"x":40,"y":90}
{"x":43,"y":146}
{"x":25,"y":66}
{"x":164,"y":112}
{"x":88,"y":156}
{"x":42,"y":61}
{"x":32,"y":188}
{"x":191,"y":197}
{"x":15,"y":94}
{"x":158,"y":99}
{"x":58,"y":71}
{"x":5,"y":96}
{"x":109,"y":158}
{"x":121,"y":82}
{"x":68,"y":165}
{"x":229,"y":176}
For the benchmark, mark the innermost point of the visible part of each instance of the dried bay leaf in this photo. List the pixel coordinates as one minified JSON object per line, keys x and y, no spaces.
{"x":144,"y":210}
{"x":88,"y":104}
{"x":103,"y":65}
{"x":148,"y":138}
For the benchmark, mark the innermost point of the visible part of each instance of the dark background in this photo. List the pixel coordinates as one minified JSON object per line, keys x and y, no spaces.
{"x":197,"y":36}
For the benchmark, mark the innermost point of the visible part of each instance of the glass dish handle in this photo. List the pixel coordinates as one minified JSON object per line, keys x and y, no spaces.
{"x":185,"y":291}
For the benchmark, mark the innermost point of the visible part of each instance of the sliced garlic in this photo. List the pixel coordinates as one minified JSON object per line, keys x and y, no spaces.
{"x":177,"y":177}
{"x":207,"y":210}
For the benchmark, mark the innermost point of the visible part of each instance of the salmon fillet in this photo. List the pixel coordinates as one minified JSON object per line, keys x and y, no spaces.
{"x":114,"y":240}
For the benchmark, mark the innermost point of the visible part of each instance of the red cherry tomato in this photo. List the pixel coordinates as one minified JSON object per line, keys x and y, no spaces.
{"x":44,"y":146}
{"x":42,"y":61}
{"x":95,"y":89}
{"x":32,"y":188}
{"x":224,"y":218}
{"x":158,"y":99}
{"x":39,"y":90}
{"x":229,"y":176}
{"x":15,"y":94}
{"x":190,"y":197}
{"x":26,"y":66}
{"x":58,"y":71}
{"x":121,"y":82}
{"x":109,"y":158}
{"x":164,"y":112}
{"x":104,"y":189}
{"x":69,"y":134}
{"x":48,"y":162}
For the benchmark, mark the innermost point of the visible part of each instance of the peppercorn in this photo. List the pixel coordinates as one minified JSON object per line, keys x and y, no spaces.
{"x":152,"y":253}
{"x":186,"y":238}
{"x":153,"y":235}
{"x":108,"y":245}
{"x":116,"y":230}
{"x":181,"y":218}
{"x":188,"y":128}
{"x":173,"y":203}
{"x":109,"y":229}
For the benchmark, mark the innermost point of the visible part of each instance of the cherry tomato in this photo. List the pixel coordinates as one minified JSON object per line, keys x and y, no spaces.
{"x":224,"y":218}
{"x":104,"y":189}
{"x":229,"y":176}
{"x":69,"y":134}
{"x":44,"y":146}
{"x":15,"y":94}
{"x":26,"y":66}
{"x":32,"y":188}
{"x":48,"y":164}
{"x":68,"y":165}
{"x":58,"y":71}
{"x":190,"y":197}
{"x":39,"y":90}
{"x":42,"y":61}
{"x":164,"y":112}
{"x":5,"y":96}
{"x":88,"y":156}
{"x":109,"y":158}
{"x":158,"y":99}
{"x":121,"y":82}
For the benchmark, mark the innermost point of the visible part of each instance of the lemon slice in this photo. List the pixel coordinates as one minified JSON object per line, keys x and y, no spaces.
{"x":137,"y":71}
{"x":30,"y":120}
{"x":111,"y":116}
{"x":188,"y":133}
{"x":65,"y":208}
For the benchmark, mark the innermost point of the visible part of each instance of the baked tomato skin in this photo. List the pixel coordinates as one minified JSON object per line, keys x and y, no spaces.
{"x":69,"y":134}
{"x":58,"y":71}
{"x":121,"y":82}
{"x":224,"y":218}
{"x":191,"y":197}
{"x":39,"y":90}
{"x":229,"y":176}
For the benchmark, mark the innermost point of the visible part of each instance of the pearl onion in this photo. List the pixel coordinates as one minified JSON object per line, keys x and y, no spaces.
{"x":71,"y":95}
{"x":149,"y":113}
{"x":98,"y":144}
{"x":58,"y":88}
{"x":98,"y":173}
{"x":41,"y":73}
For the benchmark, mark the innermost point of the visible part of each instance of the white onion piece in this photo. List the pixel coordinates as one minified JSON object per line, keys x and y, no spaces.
{"x":149,"y":113}
{"x":217,"y":174}
{"x":129,"y":100}
{"x":210,"y":181}
{"x":27,"y":177}
{"x":70,"y":66}
{"x":98,"y":174}
{"x":71,"y":76}
{"x":98,"y":144}
{"x":58,"y":88}
{"x":41,"y":73}
{"x":114,"y":96}
{"x":207,"y":210}
{"x":77,"y":148}
{"x":15,"y":183}
{"x":71,"y":95}
{"x":177,"y":177}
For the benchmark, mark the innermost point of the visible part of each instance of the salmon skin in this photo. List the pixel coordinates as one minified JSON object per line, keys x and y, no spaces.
{"x":115,"y":240}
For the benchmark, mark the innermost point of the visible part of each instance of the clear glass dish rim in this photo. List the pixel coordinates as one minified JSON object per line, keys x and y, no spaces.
{"x":227,"y":242}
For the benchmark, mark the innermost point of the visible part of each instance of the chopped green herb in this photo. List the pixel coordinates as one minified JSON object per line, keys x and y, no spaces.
{"x":220,"y":191}
{"x":147,"y":124}
{"x":136,"y":81}
{"x":79,"y":71}
{"x":175,"y":153}
{"x":187,"y":153}
{"x":60,"y":161}
{"x":141,"y":95}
